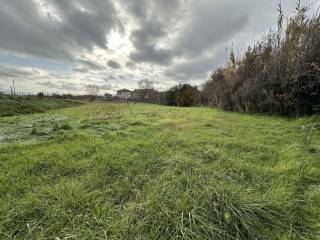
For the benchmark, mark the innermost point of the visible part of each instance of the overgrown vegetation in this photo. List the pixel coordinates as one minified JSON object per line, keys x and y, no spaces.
{"x":134,"y":171}
{"x":278,"y":75}
{"x":16,"y":105}
{"x":183,"y":95}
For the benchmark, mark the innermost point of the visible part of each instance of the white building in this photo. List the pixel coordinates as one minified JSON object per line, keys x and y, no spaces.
{"x":124,"y":94}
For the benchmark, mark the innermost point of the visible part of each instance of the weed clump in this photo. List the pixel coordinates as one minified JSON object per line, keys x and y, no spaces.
{"x":38,"y":132}
{"x":187,"y":207}
{"x":64,"y":126}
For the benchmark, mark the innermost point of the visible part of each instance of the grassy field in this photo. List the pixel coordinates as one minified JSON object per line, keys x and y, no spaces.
{"x":117,"y":171}
{"x":17,"y":105}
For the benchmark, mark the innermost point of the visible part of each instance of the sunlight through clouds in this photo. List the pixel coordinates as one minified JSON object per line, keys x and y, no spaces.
{"x":118,"y":43}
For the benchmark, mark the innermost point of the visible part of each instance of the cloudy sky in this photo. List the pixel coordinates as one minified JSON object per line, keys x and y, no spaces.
{"x":63,"y":45}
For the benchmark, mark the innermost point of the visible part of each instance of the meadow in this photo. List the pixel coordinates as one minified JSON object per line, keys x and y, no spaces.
{"x":139,"y":171}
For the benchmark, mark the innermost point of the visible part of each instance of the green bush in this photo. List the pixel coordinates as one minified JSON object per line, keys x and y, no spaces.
{"x":182,"y":95}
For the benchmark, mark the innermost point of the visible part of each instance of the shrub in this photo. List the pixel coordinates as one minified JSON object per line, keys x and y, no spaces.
{"x":278,"y":75}
{"x":63,"y":126}
{"x":182,"y":95}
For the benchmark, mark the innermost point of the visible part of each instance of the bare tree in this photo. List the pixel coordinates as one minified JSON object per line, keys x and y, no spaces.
{"x":145,"y":91}
{"x":146,"y":84}
{"x":92,"y":90}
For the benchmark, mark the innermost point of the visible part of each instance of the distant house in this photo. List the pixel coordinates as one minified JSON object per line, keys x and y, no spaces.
{"x":124,"y":94}
{"x":138,"y":95}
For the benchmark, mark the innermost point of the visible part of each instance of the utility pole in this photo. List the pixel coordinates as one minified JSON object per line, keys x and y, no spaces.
{"x":14,"y":87}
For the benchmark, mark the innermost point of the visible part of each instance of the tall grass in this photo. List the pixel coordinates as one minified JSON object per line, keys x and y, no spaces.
{"x":18,"y":105}
{"x":135,"y":171}
{"x":279,"y":74}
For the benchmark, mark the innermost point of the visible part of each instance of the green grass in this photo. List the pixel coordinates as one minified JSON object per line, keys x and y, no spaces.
{"x":17,"y":105}
{"x":117,"y":171}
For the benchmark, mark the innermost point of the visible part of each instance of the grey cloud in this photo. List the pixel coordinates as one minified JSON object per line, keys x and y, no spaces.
{"x":28,"y":80}
{"x":198,"y":68}
{"x":108,"y":86}
{"x":81,"y":69}
{"x":210,"y":23}
{"x":198,"y":26}
{"x":131,"y":65}
{"x":82,"y":24}
{"x":147,"y":11}
{"x":16,"y":73}
{"x":186,"y":37}
{"x":122,"y":77}
{"x":114,"y":64}
{"x":49,"y":84}
{"x":154,"y":19}
{"x":110,"y":77}
{"x":146,"y":49}
{"x":151,"y":54}
{"x":89,"y":65}
{"x":65,"y":86}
